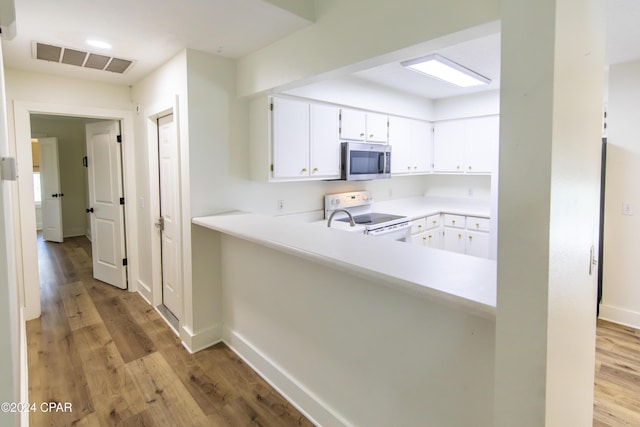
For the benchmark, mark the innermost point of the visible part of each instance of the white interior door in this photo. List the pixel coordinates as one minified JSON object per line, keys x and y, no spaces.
{"x":50,"y":190}
{"x":169,"y":224}
{"x":107,"y":213}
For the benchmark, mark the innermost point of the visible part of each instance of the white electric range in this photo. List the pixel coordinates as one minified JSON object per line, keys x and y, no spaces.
{"x":359,"y":204}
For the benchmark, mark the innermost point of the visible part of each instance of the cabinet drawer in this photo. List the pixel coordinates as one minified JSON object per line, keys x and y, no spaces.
{"x":418,"y":225}
{"x":432,"y":221}
{"x":454,"y":221}
{"x":478,"y":224}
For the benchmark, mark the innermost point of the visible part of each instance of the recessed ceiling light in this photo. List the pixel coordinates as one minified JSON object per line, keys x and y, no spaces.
{"x":446,"y":70}
{"x":99,"y":44}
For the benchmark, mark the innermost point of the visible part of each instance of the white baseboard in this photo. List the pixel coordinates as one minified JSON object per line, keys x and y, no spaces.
{"x":74,"y":232}
{"x":196,"y":341}
{"x":318,"y":412}
{"x":145,"y":291}
{"x":620,"y":315}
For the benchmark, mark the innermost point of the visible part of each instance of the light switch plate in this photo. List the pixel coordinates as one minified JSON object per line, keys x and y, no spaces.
{"x":9,"y":169}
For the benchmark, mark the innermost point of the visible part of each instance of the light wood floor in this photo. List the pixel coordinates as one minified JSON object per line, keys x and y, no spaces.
{"x":617,"y":385}
{"x":116,"y":361}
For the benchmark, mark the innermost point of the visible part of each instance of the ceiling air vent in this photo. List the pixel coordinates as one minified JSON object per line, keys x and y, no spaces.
{"x":80,"y":58}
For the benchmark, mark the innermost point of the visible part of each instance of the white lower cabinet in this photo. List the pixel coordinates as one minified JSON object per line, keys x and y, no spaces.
{"x":427,"y":232}
{"x":466,"y":235}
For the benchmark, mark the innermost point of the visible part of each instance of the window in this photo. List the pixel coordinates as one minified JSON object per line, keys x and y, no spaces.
{"x":36,"y":187}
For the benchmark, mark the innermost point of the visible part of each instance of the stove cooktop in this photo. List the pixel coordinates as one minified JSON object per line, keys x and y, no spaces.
{"x":372,"y":218}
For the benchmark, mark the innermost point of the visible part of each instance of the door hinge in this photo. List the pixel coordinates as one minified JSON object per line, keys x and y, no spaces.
{"x":271,"y":106}
{"x":122,"y":200}
{"x":119,"y":138}
{"x":271,"y":167}
{"x":85,"y":161}
{"x":124,"y":262}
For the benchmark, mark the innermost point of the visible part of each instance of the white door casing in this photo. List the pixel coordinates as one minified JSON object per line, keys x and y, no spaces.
{"x":105,"y":191}
{"x":50,"y":190}
{"x":170,"y":238}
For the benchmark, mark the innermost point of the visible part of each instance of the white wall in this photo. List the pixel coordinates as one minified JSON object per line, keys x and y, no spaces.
{"x":621,"y":295}
{"x":355,"y":351}
{"x":551,"y":103}
{"x":11,"y":328}
{"x":73,"y":182}
{"x":358,"y":93}
{"x":477,"y":104}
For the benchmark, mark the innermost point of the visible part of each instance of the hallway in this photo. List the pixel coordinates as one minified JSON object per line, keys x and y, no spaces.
{"x":114,"y":359}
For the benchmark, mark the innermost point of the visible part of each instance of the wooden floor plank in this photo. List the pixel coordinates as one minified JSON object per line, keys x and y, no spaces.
{"x":168,"y":399}
{"x":128,"y":335}
{"x":78,"y":306}
{"x":115,"y":394}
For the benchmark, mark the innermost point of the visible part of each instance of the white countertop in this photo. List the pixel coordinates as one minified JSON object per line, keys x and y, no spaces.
{"x":464,"y":282}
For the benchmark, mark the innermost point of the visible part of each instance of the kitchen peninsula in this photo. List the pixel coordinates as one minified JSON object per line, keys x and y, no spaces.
{"x":355,"y":330}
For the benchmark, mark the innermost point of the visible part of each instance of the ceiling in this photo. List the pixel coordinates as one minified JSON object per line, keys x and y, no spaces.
{"x":150,"y":32}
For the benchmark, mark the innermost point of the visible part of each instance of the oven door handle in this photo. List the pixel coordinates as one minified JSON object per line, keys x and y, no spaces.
{"x":387,"y":230}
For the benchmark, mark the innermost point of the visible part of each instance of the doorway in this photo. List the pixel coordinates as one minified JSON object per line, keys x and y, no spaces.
{"x":85,"y":161}
{"x":26,"y":247}
{"x":168,"y":224}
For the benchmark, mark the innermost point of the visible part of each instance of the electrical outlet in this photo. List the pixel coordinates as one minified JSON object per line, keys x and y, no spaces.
{"x":280,"y":205}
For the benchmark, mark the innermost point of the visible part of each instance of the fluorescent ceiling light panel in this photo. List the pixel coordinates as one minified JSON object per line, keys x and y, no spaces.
{"x":446,"y":70}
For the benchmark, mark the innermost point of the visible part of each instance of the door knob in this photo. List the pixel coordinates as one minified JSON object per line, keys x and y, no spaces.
{"x":89,"y":210}
{"x":54,"y":195}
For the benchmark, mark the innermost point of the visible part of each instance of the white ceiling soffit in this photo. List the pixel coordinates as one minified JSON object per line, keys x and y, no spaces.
{"x":481,"y":55}
{"x":80,"y":58}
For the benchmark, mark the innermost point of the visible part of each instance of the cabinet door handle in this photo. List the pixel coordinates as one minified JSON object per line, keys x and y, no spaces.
{"x":453,"y":221}
{"x":470,"y":237}
{"x":315,"y":169}
{"x":371,"y":136}
{"x":459,"y":236}
{"x":469,"y":167}
{"x":477,"y":225}
{"x":304,"y":169}
{"x":362,"y":134}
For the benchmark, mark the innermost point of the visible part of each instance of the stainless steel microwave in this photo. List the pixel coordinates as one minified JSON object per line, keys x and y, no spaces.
{"x":361,"y":161}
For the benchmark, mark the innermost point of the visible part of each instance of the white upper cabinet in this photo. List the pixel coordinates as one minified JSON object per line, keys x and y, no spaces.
{"x":290,"y":138}
{"x":482,"y":135}
{"x":358,"y":125}
{"x":306,"y":142}
{"x":377,"y":128}
{"x":448,"y":146}
{"x":324,"y":143}
{"x":466,"y":145}
{"x":411,"y":142}
{"x":421,"y":146}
